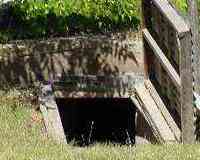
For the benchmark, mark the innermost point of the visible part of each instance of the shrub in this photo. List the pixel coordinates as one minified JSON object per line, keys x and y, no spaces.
{"x":181,"y":5}
{"x":49,"y":18}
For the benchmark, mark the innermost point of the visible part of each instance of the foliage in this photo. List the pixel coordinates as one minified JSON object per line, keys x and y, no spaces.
{"x":181,"y":5}
{"x":48,"y":18}
{"x":51,"y":18}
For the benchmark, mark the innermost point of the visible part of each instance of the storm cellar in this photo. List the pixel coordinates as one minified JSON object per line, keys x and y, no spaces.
{"x":110,"y":102}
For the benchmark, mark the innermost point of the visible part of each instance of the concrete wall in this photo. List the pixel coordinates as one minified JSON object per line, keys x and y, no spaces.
{"x":25,"y":62}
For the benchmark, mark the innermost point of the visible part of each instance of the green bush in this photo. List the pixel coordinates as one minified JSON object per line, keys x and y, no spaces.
{"x":180,"y":4}
{"x":49,"y":18}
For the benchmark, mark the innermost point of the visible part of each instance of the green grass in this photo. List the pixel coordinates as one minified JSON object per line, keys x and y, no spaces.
{"x":22,"y":138}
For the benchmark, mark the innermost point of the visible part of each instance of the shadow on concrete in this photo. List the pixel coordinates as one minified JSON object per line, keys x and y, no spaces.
{"x":47,"y":60}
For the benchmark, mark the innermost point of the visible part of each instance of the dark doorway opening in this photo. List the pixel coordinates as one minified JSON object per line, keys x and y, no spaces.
{"x":105,"y":120}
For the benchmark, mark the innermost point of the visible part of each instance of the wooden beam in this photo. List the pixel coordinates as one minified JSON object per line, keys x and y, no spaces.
{"x":194,"y":24}
{"x":153,"y":115}
{"x":172,"y":16}
{"x":163,"y":59}
{"x":161,"y":106}
{"x":187,"y":109}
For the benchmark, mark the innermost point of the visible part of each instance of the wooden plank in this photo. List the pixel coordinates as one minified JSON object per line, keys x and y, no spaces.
{"x":172,"y":16}
{"x":194,"y":23}
{"x":153,"y":114}
{"x":144,"y":114}
{"x":161,"y":106}
{"x":163,"y":59}
{"x":187,"y":109}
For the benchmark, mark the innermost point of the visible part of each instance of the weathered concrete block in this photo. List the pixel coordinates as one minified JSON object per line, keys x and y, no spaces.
{"x":25,"y":62}
{"x":51,"y":115}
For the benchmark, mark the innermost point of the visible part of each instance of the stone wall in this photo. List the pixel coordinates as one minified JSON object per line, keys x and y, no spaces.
{"x":26,"y":62}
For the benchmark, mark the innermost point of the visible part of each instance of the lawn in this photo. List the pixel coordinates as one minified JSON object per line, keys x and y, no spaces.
{"x":22,"y":137}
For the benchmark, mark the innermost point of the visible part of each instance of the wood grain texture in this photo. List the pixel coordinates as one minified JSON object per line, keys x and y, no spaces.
{"x":174,"y":56}
{"x":194,"y":24}
{"x":161,"y":106}
{"x":153,"y":115}
{"x":163,"y":59}
{"x":172,"y":16}
{"x":187,"y":109}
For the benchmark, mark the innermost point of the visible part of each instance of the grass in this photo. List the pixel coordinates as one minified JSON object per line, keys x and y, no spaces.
{"x":22,"y":138}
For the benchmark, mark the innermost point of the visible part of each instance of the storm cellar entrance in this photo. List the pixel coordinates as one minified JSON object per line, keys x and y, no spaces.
{"x":97,"y":120}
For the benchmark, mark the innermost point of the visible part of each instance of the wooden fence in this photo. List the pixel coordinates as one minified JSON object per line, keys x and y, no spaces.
{"x":168,"y":49}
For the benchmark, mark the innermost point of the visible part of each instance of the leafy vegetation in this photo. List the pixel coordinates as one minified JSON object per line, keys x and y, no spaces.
{"x":49,"y":18}
{"x":180,"y":4}
{"x":22,"y":19}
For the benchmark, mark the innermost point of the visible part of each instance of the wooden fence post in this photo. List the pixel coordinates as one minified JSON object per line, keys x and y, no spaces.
{"x":187,"y":110}
{"x":194,"y":24}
